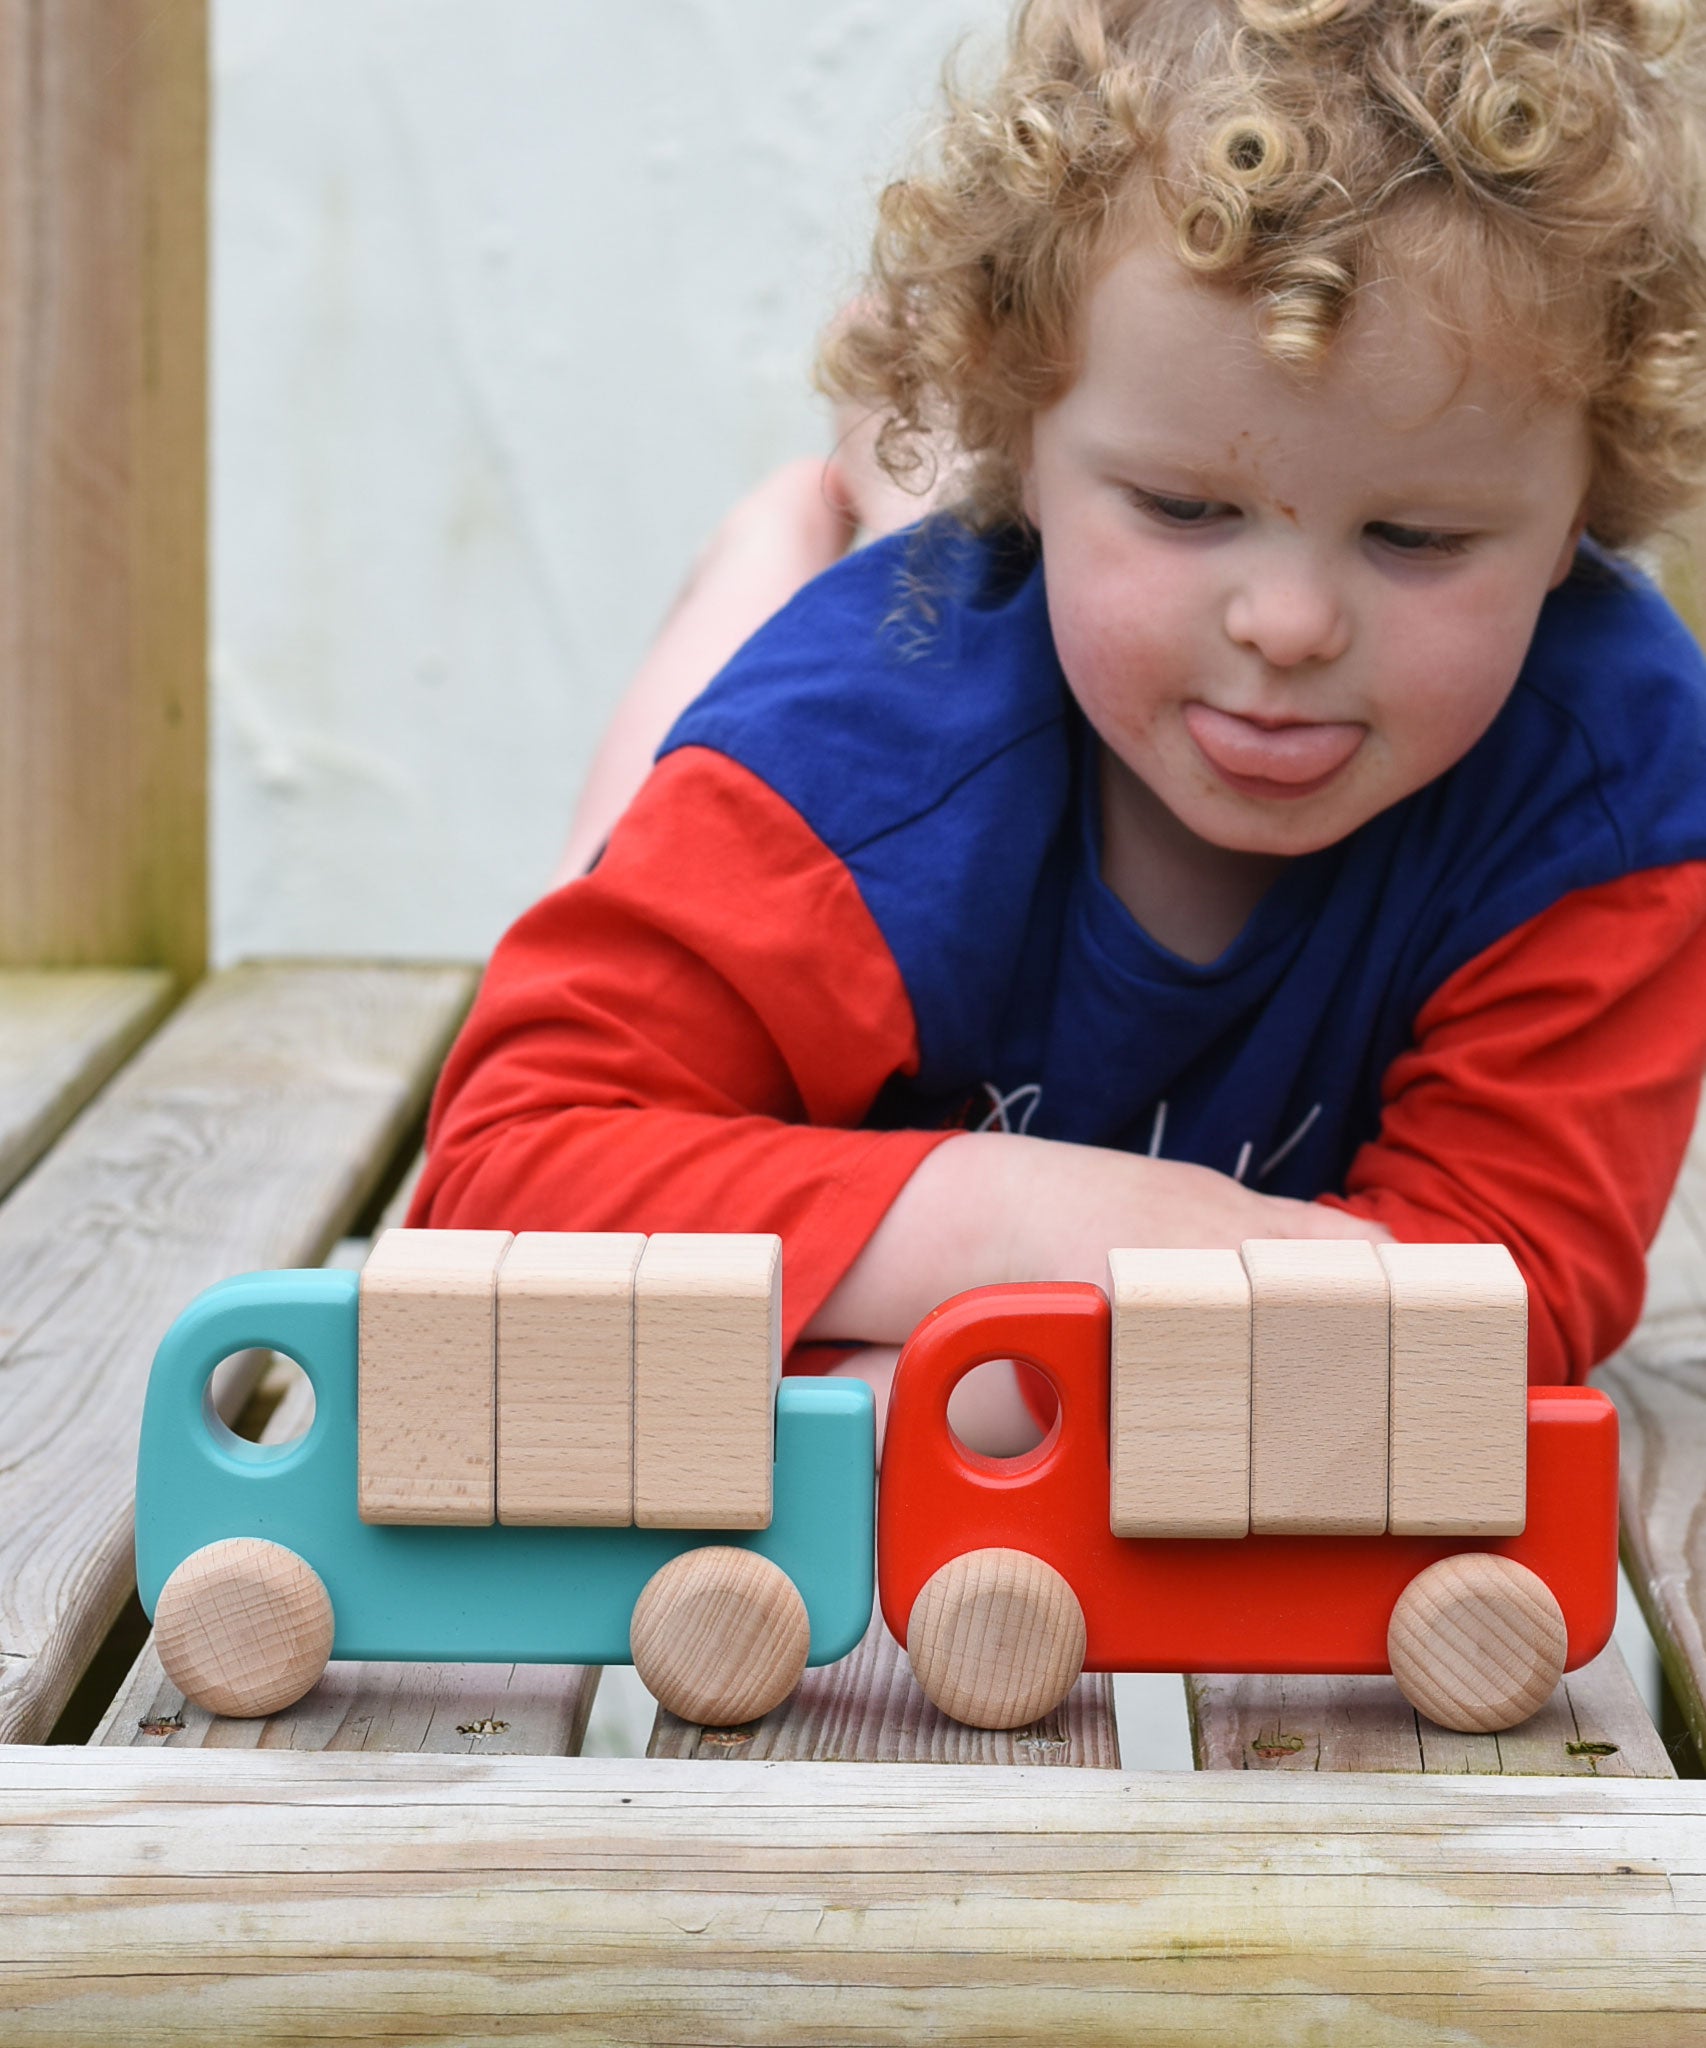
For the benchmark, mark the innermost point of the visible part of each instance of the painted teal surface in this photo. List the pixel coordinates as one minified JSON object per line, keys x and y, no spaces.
{"x":493,"y":1595}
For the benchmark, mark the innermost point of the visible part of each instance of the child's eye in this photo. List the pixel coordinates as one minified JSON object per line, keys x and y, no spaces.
{"x":1416,"y":540}
{"x":1177,"y":511}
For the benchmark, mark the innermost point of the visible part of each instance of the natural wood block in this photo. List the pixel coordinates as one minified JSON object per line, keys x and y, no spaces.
{"x":1318,"y":1371}
{"x":1459,"y":1427}
{"x":720,"y":1636}
{"x":243,"y":1627}
{"x":1477,"y":1642}
{"x":707,"y":1357}
{"x":1180,"y":1394}
{"x":428,"y":1345}
{"x":996,"y":1638}
{"x":565,"y":1378}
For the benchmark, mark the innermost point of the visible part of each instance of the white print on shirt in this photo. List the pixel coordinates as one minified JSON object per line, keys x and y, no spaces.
{"x":1031,"y":1095}
{"x":999,"y":1118}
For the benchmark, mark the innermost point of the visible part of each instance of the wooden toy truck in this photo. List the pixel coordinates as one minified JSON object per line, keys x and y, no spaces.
{"x":427,"y":1528}
{"x":1005,"y":1578}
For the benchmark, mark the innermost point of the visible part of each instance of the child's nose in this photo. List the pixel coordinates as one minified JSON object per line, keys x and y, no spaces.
{"x":1288,"y":615}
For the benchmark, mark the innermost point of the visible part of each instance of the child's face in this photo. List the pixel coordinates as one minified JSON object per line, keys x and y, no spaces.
{"x":1286,"y":602}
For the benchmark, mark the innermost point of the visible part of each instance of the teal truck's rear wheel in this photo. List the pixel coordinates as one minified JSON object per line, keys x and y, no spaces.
{"x":720,"y":1635}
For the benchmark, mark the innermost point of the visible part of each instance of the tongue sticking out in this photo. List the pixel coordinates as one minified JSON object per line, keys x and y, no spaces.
{"x":1291,"y":755}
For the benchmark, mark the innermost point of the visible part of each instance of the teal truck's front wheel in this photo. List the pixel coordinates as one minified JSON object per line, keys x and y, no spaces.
{"x":243,"y":1627}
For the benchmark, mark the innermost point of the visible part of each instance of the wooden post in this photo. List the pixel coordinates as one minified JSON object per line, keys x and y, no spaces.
{"x":103,"y":503}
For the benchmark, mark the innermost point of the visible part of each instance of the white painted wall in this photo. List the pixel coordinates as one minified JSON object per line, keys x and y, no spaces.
{"x":511,"y":298}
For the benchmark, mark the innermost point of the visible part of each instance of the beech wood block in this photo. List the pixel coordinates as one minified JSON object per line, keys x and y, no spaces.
{"x":996,"y":1638}
{"x":1319,"y":1344}
{"x":1180,"y":1423}
{"x":1459,"y":1431}
{"x":243,"y":1627}
{"x":1477,"y":1642}
{"x":720,"y":1636}
{"x":566,"y":1378}
{"x":707,"y":1358}
{"x":428,"y":1355}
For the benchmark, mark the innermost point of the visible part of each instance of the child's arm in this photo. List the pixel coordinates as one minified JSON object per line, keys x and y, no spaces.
{"x":993,"y":1206}
{"x":1547,"y":1101}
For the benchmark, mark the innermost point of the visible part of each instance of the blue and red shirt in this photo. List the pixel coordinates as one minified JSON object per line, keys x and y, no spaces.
{"x":858,"y":906}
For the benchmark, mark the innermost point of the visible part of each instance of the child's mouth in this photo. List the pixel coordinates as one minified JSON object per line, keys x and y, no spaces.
{"x":1284,"y":761}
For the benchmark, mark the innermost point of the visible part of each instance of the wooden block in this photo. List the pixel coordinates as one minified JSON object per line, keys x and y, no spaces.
{"x":1459,"y":1429}
{"x":1180,"y":1396}
{"x":1477,"y":1642}
{"x":428,"y":1347}
{"x":720,"y":1636}
{"x":566,"y":1378}
{"x":1319,"y":1340}
{"x":707,"y":1357}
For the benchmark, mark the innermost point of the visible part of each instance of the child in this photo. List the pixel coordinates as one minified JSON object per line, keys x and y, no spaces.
{"x":1264,"y":807}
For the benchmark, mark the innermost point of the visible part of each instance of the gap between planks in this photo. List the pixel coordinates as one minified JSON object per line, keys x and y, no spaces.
{"x":63,"y":1034}
{"x":247,"y":1133}
{"x":1658,"y":1381}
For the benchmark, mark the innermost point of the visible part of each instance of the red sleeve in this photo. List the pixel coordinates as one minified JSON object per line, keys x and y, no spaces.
{"x":686,"y":1039}
{"x":1547,"y":1102}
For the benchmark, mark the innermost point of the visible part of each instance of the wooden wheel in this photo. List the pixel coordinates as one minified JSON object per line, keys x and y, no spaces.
{"x":1477,"y":1642}
{"x":720,"y":1635}
{"x":243,"y":1627}
{"x":996,"y":1638}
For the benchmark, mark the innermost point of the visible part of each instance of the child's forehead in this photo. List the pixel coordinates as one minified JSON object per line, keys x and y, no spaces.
{"x":1412,"y":360}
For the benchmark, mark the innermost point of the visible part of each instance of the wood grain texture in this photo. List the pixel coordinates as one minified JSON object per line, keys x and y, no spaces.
{"x":1595,"y":1725}
{"x":566,"y":1378}
{"x":244,"y":1627}
{"x":62,"y":1036}
{"x":426,"y":1709}
{"x":1477,"y":1642}
{"x":103,"y":522}
{"x":870,"y":1709}
{"x":707,"y":1358}
{"x":1658,"y":1381}
{"x":1459,"y":1427}
{"x":277,"y":1899}
{"x":1180,"y":1401}
{"x":996,"y":1638}
{"x":426,"y":1412}
{"x":1319,"y":1340}
{"x":247,"y":1133}
{"x":720,"y":1636}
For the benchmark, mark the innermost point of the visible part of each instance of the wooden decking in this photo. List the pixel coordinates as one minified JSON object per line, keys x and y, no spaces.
{"x":418,"y":1852}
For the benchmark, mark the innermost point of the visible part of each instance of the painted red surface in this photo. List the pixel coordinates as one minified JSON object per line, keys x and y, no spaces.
{"x":1260,"y":1603}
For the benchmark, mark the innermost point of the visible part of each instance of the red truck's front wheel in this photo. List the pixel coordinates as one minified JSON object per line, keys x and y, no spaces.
{"x":996,"y":1638}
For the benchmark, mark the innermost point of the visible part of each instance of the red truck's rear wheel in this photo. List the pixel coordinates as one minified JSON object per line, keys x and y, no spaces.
{"x":1477,"y":1642}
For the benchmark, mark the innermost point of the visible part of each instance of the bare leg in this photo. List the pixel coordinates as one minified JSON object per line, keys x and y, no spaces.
{"x":796,"y":524}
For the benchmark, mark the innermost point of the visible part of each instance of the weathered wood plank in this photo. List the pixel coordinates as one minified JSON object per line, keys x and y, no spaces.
{"x":103,"y":521}
{"x":1658,"y":1381}
{"x":246,"y":1134}
{"x":62,"y":1035}
{"x":277,"y":1899}
{"x":432,"y":1709}
{"x":869,"y":1709}
{"x":1595,"y":1725}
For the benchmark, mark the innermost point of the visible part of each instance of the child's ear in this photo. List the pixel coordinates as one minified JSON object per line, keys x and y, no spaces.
{"x":1027,"y":479}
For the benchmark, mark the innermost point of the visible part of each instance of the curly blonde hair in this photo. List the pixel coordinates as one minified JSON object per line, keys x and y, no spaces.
{"x":1536,"y":164}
